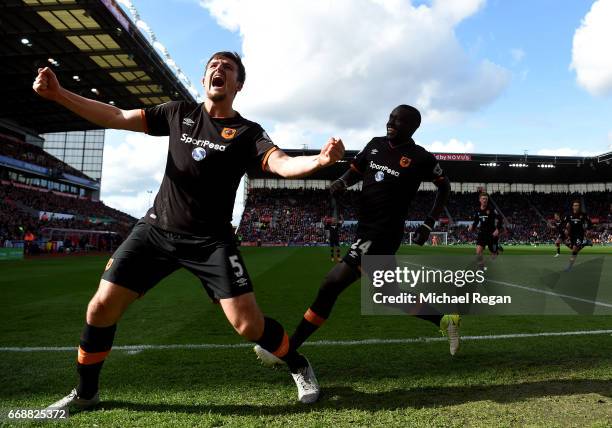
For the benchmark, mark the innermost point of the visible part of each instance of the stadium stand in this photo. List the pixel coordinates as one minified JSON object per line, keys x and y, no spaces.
{"x":96,"y":51}
{"x":298,"y":216}
{"x":14,"y":148}
{"x":41,"y":213}
{"x":527,"y":189}
{"x":45,"y":206}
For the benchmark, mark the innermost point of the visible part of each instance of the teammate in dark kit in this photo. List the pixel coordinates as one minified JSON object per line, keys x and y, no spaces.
{"x":333,"y":228}
{"x":559,"y":227}
{"x":490,"y":224}
{"x":576,"y":224}
{"x":211,"y":146}
{"x":391,"y":169}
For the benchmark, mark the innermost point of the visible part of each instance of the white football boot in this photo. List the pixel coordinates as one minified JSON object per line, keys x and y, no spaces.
{"x":73,"y":401}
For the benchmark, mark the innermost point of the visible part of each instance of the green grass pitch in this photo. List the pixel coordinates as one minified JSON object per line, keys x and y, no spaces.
{"x":535,"y":381}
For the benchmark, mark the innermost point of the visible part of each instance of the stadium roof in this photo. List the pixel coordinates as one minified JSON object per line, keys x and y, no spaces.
{"x":95,"y":50}
{"x":491,"y":168}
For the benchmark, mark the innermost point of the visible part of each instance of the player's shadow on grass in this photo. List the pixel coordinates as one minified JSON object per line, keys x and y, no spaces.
{"x":342,"y":397}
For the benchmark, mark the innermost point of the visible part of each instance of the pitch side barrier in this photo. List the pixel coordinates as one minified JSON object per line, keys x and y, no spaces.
{"x":507,"y":285}
{"x":11,"y":253}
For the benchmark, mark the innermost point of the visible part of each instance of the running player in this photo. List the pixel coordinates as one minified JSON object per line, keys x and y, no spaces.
{"x":392,"y":169}
{"x":211,"y":146}
{"x":576,"y":223}
{"x":559,"y":227}
{"x":490,"y":222}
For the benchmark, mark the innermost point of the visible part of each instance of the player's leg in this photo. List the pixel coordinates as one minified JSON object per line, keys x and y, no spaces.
{"x":493,"y":247}
{"x":219,"y":265}
{"x":448,"y":325}
{"x":244,"y":315}
{"x":335,"y":282}
{"x":479,"y":255}
{"x":558,"y":245}
{"x":135,"y":267}
{"x":103,"y":312}
{"x":576,"y":247}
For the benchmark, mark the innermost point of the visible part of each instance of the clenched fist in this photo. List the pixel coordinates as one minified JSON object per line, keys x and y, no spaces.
{"x":46,"y":84}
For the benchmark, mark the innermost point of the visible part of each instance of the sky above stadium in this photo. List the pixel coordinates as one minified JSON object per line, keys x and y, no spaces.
{"x":488,"y":76}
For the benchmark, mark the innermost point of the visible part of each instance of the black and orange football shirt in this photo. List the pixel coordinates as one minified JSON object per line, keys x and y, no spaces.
{"x":207,"y":157}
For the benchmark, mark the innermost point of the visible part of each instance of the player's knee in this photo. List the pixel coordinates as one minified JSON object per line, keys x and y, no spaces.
{"x":104,"y":309}
{"x":250,"y":329}
{"x":100,"y":310}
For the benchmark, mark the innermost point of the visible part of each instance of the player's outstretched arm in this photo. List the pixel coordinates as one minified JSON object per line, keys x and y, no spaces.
{"x":47,"y":86}
{"x":444,"y":189}
{"x":300,"y":166}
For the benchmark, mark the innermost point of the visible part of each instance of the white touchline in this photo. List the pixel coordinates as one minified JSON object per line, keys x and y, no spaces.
{"x":535,"y":290}
{"x":138,"y":348}
{"x":552,"y":293}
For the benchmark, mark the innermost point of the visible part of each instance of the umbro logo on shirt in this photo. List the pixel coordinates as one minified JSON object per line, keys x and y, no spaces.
{"x":374,"y":151}
{"x":188,"y":122}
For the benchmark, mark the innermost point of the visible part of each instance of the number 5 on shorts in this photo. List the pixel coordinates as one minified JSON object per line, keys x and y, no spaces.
{"x":235,"y":262}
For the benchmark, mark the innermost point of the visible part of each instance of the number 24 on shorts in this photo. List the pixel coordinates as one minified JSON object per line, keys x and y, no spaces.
{"x":362,"y":246}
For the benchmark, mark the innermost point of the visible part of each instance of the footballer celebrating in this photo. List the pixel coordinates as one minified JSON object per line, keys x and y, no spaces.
{"x":576,"y":223}
{"x":489,"y":222}
{"x":211,"y":146}
{"x":392,"y":169}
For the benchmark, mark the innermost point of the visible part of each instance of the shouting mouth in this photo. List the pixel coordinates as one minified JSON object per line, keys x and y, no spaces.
{"x":217,"y":81}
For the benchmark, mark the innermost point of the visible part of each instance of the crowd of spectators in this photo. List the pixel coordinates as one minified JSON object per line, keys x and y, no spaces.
{"x":22,"y":224}
{"x":50,"y":201}
{"x":288,"y":216}
{"x":299,"y":216}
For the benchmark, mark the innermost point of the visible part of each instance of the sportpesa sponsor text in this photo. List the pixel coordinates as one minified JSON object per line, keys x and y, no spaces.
{"x":384,"y":168}
{"x":202,"y":143}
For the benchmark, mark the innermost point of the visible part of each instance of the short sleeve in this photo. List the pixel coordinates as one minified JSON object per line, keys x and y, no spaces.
{"x":433,"y":171}
{"x":262,"y":148}
{"x":360,"y":162}
{"x":157,"y":119}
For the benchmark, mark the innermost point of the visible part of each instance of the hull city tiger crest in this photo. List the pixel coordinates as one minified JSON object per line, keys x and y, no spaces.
{"x":228,"y":133}
{"x":405,"y":162}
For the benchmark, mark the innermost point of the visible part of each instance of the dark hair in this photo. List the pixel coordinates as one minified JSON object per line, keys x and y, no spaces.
{"x":234,"y":56}
{"x":576,"y":201}
{"x":414,"y":115}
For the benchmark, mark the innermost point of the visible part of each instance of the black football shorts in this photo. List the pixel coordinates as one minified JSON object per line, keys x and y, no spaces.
{"x":377,"y":246}
{"x":149,"y":254}
{"x":576,"y":241}
{"x":488,"y":240}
